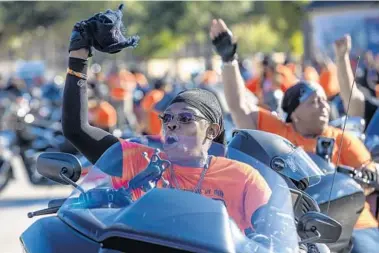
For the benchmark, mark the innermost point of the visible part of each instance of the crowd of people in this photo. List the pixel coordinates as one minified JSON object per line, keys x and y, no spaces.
{"x":294,"y":100}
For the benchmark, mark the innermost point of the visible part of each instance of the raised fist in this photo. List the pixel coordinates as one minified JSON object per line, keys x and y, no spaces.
{"x":342,"y":46}
{"x":223,"y":40}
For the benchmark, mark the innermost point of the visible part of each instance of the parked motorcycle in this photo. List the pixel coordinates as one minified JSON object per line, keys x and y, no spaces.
{"x":28,"y":130}
{"x":101,"y":216}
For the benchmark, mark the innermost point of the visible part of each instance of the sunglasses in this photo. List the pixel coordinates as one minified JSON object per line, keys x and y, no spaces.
{"x":182,"y":117}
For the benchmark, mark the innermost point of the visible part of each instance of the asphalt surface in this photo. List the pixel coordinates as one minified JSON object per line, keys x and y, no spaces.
{"x":19,"y":198}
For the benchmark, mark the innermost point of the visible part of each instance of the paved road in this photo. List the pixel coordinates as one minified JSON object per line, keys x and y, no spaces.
{"x":16,"y":201}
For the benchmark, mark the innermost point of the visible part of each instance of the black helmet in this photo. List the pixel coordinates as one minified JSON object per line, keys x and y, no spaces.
{"x":278,"y":153}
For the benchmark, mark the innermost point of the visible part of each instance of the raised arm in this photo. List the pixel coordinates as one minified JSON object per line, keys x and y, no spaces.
{"x":346,"y":77}
{"x":102,"y":32}
{"x":90,"y":141}
{"x":243,"y":111}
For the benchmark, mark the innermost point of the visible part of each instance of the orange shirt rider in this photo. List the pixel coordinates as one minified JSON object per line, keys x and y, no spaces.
{"x":102,"y":114}
{"x":353,"y":152}
{"x":281,"y":77}
{"x":153,"y":123}
{"x":121,"y":85}
{"x":240,"y":187}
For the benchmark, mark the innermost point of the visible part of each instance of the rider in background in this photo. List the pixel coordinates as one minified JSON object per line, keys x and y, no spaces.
{"x":269,"y":87}
{"x":121,"y":86}
{"x":100,"y":113}
{"x":152,"y":123}
{"x":329,"y":82}
{"x":290,"y":62}
{"x":142,"y":88}
{"x":307,"y":118}
{"x":257,"y":82}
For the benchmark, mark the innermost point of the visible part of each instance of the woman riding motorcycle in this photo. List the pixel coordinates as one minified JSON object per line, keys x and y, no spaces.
{"x":307,"y":118}
{"x":194,"y":117}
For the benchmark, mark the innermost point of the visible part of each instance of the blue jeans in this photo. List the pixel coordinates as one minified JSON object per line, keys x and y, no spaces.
{"x":365,"y":240}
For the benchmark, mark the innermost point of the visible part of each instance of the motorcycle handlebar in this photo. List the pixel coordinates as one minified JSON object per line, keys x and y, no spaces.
{"x":358,"y":176}
{"x":56,"y":202}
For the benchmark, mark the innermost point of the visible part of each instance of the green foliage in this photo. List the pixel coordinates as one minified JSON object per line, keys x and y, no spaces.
{"x":285,"y":18}
{"x":164,"y":27}
{"x":256,"y":36}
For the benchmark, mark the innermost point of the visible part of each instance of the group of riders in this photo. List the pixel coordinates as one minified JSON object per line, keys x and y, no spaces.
{"x":295,"y":102}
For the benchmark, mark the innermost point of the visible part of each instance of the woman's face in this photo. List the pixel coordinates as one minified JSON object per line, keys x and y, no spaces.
{"x":185,"y":131}
{"x":313,"y":114}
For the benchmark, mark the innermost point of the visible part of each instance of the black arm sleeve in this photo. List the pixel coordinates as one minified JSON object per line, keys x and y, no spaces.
{"x":91,"y":141}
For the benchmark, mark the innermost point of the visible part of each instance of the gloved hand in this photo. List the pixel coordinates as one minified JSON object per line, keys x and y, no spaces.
{"x":104,"y":32}
{"x":80,"y":38}
{"x":371,"y":177}
{"x":222,"y":40}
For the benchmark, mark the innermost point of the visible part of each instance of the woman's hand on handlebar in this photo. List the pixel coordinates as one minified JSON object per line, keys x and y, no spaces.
{"x":366,"y":176}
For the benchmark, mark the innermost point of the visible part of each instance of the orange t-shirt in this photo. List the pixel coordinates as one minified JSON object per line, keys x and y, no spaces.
{"x":116,"y":91}
{"x":353,"y":154}
{"x":121,"y":84}
{"x":103,"y":115}
{"x":239,"y":186}
{"x":254,"y":85}
{"x":329,"y":80}
{"x":153,"y":123}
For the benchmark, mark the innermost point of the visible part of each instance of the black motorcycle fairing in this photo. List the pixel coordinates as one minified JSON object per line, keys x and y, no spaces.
{"x":55,"y":236}
{"x":179,"y":219}
{"x":143,"y":216}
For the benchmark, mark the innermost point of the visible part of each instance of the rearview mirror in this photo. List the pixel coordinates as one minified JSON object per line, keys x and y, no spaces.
{"x":318,"y":227}
{"x":52,"y":164}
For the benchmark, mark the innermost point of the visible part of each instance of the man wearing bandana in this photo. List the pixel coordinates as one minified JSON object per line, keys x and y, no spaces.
{"x":307,"y":118}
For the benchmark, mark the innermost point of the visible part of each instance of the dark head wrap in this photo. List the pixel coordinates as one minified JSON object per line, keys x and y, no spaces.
{"x":295,"y":95}
{"x":208,"y":104}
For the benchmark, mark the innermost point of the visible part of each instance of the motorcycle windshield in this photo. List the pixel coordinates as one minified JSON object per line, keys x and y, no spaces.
{"x":171,"y":200}
{"x":298,"y":165}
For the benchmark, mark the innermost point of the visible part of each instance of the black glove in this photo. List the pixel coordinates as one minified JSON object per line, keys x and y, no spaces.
{"x":80,"y":38}
{"x":225,"y":47}
{"x":370,"y":177}
{"x":104,"y":32}
{"x":107,"y":32}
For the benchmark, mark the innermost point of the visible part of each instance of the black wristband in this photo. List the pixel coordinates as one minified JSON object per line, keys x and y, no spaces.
{"x":78,"y":65}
